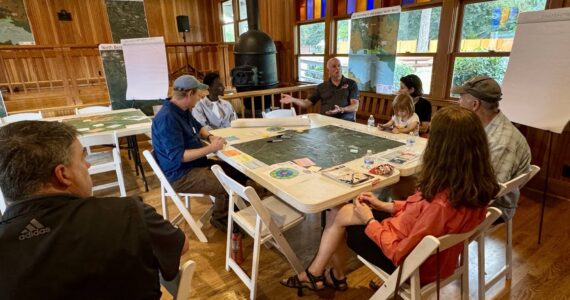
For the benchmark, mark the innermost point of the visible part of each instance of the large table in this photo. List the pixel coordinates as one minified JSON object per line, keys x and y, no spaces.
{"x":125,"y":122}
{"x":327,"y":141}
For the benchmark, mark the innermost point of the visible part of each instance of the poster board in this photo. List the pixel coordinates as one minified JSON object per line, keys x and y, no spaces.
{"x":116,"y":78}
{"x":535,"y":85}
{"x":146,"y":68}
{"x":372,"y":52}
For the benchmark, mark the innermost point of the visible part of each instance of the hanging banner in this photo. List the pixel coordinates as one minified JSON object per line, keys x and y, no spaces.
{"x":372,"y":53}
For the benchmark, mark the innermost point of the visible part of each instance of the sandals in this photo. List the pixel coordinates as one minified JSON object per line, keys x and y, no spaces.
{"x":337,"y":284}
{"x":375,"y":284}
{"x":312,"y":284}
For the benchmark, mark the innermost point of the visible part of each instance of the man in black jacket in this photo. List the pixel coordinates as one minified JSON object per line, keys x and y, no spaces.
{"x":59,"y":242}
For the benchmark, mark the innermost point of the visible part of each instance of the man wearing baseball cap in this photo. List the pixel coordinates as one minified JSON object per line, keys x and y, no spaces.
{"x":510,"y":153}
{"x":178,"y":148}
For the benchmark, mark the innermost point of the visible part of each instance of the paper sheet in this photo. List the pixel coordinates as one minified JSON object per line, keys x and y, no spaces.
{"x":146,"y":68}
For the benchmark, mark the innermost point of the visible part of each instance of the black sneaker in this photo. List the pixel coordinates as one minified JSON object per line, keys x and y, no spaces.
{"x":221,"y":224}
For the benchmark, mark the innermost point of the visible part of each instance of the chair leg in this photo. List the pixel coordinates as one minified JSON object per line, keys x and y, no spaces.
{"x":229,"y":238}
{"x":465,"y":272}
{"x":481,"y":266}
{"x":509,"y":250}
{"x":255,"y":264}
{"x":163,"y":202}
{"x":206,"y":216}
{"x":119,"y":170}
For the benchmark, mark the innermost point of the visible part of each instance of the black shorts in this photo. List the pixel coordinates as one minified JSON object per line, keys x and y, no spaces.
{"x":360,"y":243}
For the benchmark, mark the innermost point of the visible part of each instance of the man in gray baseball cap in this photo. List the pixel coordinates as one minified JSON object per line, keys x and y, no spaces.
{"x":510,"y":153}
{"x":178,"y":148}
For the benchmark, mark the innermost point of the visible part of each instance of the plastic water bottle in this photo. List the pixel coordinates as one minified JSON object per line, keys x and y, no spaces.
{"x":371,"y":122}
{"x":411,"y":140}
{"x":368,"y":160}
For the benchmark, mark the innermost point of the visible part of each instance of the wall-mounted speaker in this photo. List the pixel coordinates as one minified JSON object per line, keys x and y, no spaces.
{"x":183,"y":24}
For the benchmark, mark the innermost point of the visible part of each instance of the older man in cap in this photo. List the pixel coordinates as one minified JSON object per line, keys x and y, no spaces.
{"x":510,"y":153}
{"x":177,"y":142}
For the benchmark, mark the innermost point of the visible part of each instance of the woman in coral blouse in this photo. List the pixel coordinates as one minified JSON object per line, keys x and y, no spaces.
{"x":454,"y":187}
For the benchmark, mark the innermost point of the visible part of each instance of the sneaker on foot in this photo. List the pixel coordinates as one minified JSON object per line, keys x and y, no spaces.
{"x":221,"y":224}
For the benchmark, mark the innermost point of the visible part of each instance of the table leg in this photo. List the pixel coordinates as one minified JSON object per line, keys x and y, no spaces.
{"x":137,"y":159}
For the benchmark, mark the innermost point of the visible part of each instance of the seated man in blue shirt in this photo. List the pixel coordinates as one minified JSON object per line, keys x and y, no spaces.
{"x":213,"y":112}
{"x":178,"y":148}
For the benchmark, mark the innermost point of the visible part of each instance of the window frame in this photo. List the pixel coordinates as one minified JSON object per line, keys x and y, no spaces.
{"x":456,"y":53}
{"x":298,"y":46}
{"x":235,"y":22}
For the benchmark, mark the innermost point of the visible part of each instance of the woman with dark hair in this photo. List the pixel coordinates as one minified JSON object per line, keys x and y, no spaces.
{"x":454,"y":187}
{"x":412,"y":85}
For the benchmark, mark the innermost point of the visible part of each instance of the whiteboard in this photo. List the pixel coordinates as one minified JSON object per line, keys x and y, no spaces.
{"x":536,"y":87}
{"x":147,"y":71}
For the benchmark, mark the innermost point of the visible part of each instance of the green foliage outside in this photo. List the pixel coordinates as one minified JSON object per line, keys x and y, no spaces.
{"x":401,"y":71}
{"x":467,"y":67}
{"x":313,"y":37}
{"x":481,"y":20}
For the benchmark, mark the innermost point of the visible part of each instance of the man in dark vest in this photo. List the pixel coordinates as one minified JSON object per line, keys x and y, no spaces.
{"x":59,"y":242}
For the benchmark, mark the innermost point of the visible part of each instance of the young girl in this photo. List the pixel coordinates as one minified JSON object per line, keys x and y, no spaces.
{"x":404,"y":119}
{"x":454,"y":188}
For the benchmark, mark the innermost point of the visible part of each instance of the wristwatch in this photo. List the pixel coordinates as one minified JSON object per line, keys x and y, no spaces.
{"x":342,"y":110}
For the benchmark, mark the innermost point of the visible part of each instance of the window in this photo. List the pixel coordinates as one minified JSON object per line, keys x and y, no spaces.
{"x":311,"y":52}
{"x":487,"y":33}
{"x":342,"y":44}
{"x":417,"y":43}
{"x":229,"y":29}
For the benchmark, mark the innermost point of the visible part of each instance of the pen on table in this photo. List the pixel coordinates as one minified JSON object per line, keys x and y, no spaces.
{"x":274,"y":141}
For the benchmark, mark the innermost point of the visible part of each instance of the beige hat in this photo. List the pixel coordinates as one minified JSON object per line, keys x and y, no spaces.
{"x":481,"y":87}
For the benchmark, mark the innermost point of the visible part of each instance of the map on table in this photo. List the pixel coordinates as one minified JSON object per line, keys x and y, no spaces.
{"x":108,"y":122}
{"x":326,"y":146}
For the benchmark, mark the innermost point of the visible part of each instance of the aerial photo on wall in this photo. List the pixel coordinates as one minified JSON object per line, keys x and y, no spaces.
{"x":14,"y":26}
{"x":372,"y":53}
{"x":2,"y":106}
{"x":127,"y":19}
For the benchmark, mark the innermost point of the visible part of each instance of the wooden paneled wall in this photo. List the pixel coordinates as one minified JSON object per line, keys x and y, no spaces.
{"x":277,"y":18}
{"x":203,"y":16}
{"x":90,"y":24}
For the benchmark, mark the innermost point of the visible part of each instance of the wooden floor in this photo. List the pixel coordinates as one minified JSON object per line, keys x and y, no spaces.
{"x":539,"y":272}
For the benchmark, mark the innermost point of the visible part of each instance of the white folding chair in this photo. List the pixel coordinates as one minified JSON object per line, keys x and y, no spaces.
{"x":105,"y":161}
{"x":166,"y":190}
{"x":506,"y":271}
{"x":2,"y":204}
{"x":264,"y":220}
{"x":279,"y":113}
{"x":181,"y":286}
{"x":92,"y":109}
{"x":411,"y":266}
{"x":22,"y":117}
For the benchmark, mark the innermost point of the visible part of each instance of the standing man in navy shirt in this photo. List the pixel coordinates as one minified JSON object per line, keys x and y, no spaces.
{"x":338,"y":95}
{"x":177,"y":142}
